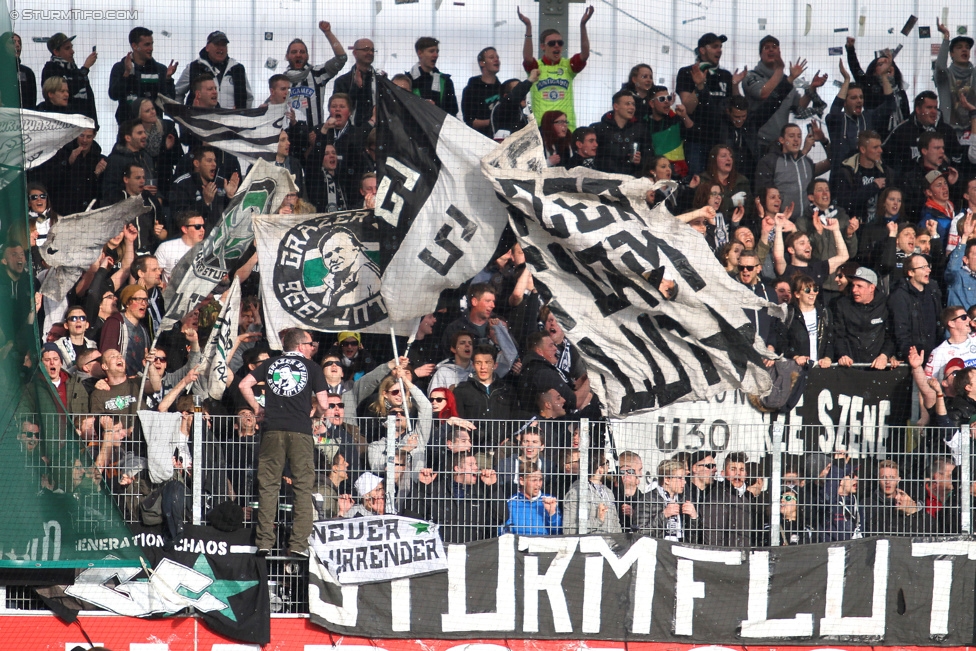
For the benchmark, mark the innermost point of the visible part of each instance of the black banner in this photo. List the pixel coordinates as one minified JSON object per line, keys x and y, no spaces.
{"x":215,"y":573}
{"x":871,"y":591}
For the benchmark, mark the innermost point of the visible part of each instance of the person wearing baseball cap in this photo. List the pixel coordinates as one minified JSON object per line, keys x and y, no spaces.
{"x":954,"y":74}
{"x":704,"y":88}
{"x":233,"y":89}
{"x":356,"y":360}
{"x":81,"y":97}
{"x":771,"y":75}
{"x":937,"y":206}
{"x":862,"y":325}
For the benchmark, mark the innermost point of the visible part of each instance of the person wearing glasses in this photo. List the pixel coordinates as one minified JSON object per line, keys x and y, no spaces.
{"x":124,"y":332}
{"x":191,"y":225}
{"x":75,"y":342}
{"x":668,"y":128}
{"x":554,"y":90}
{"x":808,"y":335}
{"x":749,"y":273}
{"x":915,"y":306}
{"x":862,"y":324}
{"x":293,"y":385}
{"x":360,"y":82}
{"x":792,"y":528}
{"x":412,"y":431}
{"x":557,"y":140}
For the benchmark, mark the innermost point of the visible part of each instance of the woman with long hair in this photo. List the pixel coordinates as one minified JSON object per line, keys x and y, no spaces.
{"x":556,"y":138}
{"x":709,"y":194}
{"x":162,"y":143}
{"x":874,"y":93}
{"x":412,"y":432}
{"x":874,"y":235}
{"x":721,"y":171}
{"x":808,"y":336}
{"x":641,"y":80}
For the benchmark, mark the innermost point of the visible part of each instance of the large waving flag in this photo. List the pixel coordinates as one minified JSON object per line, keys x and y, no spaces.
{"x":438,"y":216}
{"x":206,"y":264}
{"x":44,"y":133}
{"x":594,"y":243}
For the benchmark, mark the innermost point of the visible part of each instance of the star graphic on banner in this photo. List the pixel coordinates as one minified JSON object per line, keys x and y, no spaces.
{"x":421,"y":527}
{"x":219,"y":588}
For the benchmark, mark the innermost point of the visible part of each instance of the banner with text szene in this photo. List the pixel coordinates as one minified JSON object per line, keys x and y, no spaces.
{"x":873,"y":591}
{"x":849,"y":409}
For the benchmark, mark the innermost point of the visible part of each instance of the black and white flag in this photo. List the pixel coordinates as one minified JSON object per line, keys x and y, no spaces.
{"x":221,"y":341}
{"x":249,"y":134}
{"x":75,"y":242}
{"x":593,"y":241}
{"x":439,"y":218}
{"x":321,"y":272}
{"x":43,"y":133}
{"x":206,"y":264}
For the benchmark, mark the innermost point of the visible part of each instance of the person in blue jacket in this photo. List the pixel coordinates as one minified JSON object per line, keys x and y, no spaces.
{"x":532,"y":512}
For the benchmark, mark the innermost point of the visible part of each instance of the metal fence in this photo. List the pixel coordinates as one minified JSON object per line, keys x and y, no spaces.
{"x":744,"y":486}
{"x":741,"y":487}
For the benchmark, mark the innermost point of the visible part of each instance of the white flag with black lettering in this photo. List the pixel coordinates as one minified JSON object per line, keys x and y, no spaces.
{"x":321,"y":272}
{"x":221,"y":341}
{"x":439,"y":218}
{"x":43,"y":133}
{"x":208,"y":262}
{"x":592,"y":240}
{"x":249,"y":134}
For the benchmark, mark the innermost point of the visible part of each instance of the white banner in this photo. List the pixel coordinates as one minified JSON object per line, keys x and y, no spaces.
{"x":593,"y":241}
{"x":44,"y":133}
{"x":378,"y":548}
{"x":221,"y":341}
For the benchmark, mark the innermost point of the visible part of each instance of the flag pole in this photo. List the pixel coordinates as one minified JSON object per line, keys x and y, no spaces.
{"x":403,"y":389}
{"x":145,"y":370}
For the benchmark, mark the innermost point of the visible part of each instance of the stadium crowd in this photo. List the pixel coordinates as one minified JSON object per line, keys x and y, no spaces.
{"x":872,"y":247}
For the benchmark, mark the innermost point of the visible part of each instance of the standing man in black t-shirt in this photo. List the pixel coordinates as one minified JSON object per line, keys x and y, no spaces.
{"x":292,"y":380}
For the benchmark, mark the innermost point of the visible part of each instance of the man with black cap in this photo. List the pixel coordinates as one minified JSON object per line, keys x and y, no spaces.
{"x":862,"y":325}
{"x":704,"y":88}
{"x":234,"y":92}
{"x":81,"y":98}
{"x":954,"y":77}
{"x":770,"y":77}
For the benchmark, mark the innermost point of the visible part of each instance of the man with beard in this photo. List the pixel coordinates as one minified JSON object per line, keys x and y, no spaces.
{"x":308,"y":85}
{"x":800,"y":248}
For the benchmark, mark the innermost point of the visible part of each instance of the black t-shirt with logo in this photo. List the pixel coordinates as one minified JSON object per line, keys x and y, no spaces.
{"x":292,"y":382}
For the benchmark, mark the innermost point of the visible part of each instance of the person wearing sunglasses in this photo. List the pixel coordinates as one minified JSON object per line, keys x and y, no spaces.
{"x":39,"y":211}
{"x":75,"y":342}
{"x":749,"y":272}
{"x":702,"y":476}
{"x":808,"y":328}
{"x":792,"y":528}
{"x":554,"y":90}
{"x":192,"y":229}
{"x":332,"y":367}
{"x":668,"y":128}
